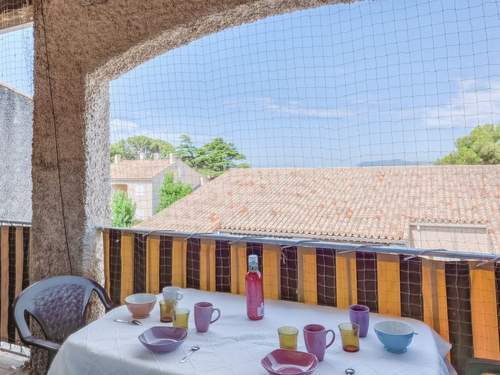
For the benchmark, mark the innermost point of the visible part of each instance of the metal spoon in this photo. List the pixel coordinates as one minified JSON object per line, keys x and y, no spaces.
{"x":193,"y":349}
{"x":133,"y":321}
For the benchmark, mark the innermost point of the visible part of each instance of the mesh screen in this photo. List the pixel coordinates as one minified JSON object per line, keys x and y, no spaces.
{"x":389,"y":86}
{"x":16,"y":59}
{"x":222,"y":266}
{"x":12,"y":281}
{"x":193,"y":263}
{"x":165,"y":261}
{"x":411,"y":287}
{"x":13,"y":5}
{"x":373,"y":123}
{"x":115,"y":269}
{"x":26,"y":256}
{"x":289,"y":274}
{"x":325,"y":264}
{"x":459,"y":313}
{"x":366,"y":272}
{"x":343,"y":122}
{"x":497,"y":277}
{"x":14,"y":13}
{"x":140,"y":255}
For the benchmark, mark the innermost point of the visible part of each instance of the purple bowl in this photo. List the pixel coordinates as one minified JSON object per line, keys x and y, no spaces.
{"x":289,"y":362}
{"x":161,"y":339}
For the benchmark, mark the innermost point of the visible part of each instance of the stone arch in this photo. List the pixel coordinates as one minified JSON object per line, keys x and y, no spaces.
{"x":79,"y":46}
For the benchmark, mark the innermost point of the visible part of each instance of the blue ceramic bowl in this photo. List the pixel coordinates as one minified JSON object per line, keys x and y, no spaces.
{"x":163,"y":339}
{"x":396,"y":336}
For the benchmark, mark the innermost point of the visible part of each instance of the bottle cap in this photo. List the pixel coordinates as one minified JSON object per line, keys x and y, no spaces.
{"x":253,"y":261}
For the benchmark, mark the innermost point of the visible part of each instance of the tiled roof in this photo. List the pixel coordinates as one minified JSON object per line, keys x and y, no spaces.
{"x":373,"y":204}
{"x":137,"y":169}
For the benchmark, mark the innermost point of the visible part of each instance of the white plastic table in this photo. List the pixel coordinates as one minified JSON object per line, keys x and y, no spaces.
{"x":235,"y":345}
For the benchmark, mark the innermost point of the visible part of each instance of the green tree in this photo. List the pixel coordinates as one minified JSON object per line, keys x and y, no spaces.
{"x":186,"y":150}
{"x":211,"y":159}
{"x":171,"y":191}
{"x":123,"y":210}
{"x":481,"y":146}
{"x":217,"y":156}
{"x":120,"y":148}
{"x":132,"y":147}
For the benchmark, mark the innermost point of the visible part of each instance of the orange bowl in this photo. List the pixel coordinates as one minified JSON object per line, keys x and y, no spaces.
{"x":140,"y":304}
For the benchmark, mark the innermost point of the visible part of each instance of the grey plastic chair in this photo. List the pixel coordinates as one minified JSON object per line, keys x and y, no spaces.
{"x":482,"y":366}
{"x":58,"y":304}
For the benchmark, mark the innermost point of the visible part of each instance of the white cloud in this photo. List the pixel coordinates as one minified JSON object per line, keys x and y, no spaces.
{"x":294,"y":108}
{"x":122,"y":129}
{"x":475,"y":102}
{"x":118,"y":125}
{"x":291,"y":108}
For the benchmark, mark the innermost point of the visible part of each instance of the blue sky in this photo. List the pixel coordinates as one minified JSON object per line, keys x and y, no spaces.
{"x":332,"y":86}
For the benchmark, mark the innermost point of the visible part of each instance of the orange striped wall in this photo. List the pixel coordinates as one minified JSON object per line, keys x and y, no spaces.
{"x":435,"y":282}
{"x":12,"y":239}
{"x":390,"y":294}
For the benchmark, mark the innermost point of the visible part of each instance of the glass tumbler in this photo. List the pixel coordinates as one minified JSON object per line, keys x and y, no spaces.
{"x":288,"y":337}
{"x":167,"y":310}
{"x":350,"y":336}
{"x":181,"y":318}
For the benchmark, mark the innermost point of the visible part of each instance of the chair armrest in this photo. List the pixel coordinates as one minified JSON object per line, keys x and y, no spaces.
{"x":107,"y":303}
{"x":41,"y":343}
{"x":482,"y":366}
{"x":103,"y":296}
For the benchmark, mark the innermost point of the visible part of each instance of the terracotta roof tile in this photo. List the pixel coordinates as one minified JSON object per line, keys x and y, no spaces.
{"x":137,"y":169}
{"x":365,"y":204}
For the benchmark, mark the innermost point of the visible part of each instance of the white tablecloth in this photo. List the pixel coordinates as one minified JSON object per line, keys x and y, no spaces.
{"x":234,"y":345}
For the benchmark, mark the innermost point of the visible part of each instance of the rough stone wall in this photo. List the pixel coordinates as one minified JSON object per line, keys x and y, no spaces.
{"x":79,"y":46}
{"x":16,"y":116}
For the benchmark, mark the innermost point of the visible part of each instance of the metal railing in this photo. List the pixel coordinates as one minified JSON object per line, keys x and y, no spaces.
{"x":366,"y":246}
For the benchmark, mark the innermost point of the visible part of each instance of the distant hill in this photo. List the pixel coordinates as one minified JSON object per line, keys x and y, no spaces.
{"x":391,"y":162}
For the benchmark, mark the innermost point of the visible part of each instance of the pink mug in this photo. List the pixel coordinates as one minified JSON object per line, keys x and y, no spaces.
{"x":315,"y":338}
{"x":203,"y":312}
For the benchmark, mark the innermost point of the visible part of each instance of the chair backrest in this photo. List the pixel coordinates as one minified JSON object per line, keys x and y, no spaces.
{"x":58,"y":304}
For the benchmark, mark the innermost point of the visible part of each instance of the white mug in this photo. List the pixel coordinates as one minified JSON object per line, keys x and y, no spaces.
{"x":172,"y":292}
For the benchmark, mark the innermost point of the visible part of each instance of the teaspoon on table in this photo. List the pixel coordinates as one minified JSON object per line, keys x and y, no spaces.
{"x":133,"y":321}
{"x":193,"y":349}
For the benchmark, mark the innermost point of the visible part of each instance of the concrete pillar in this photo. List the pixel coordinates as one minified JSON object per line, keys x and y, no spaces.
{"x":79,"y":46}
{"x":70,"y":168}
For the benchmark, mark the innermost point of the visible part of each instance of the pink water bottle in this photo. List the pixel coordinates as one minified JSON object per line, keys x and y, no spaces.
{"x":253,"y":287}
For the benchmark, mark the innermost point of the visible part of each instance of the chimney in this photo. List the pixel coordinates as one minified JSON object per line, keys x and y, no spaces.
{"x":156,"y":156}
{"x":117,"y":158}
{"x":141,"y":155}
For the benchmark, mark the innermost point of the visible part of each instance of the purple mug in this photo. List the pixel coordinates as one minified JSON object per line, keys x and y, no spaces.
{"x":315,"y":338}
{"x":203,"y":312}
{"x":360,"y":315}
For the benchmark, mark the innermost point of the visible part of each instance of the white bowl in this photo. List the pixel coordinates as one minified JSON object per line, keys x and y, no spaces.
{"x":140,"y":304}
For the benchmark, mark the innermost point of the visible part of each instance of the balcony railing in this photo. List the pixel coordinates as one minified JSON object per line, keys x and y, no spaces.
{"x":459,"y":296}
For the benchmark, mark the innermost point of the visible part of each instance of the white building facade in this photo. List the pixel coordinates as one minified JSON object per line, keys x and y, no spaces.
{"x":142,"y":180}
